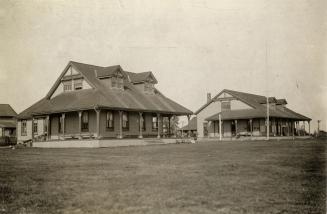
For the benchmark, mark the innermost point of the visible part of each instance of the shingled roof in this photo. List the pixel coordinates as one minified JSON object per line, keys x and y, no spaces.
{"x":258,"y":111}
{"x":102,"y":96}
{"x":7,"y":111}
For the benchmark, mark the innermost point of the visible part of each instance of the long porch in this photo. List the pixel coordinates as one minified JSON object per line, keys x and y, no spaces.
{"x":257,"y":128}
{"x":103,"y":124}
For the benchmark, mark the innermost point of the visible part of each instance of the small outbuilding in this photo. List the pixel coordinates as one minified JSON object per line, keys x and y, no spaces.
{"x":7,"y":121}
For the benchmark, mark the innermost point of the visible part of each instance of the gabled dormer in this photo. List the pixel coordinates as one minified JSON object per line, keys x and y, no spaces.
{"x":144,"y":81}
{"x":70,"y":80}
{"x":112,"y":76}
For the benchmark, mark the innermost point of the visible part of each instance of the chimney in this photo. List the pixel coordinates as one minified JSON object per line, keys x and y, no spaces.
{"x":208,"y":97}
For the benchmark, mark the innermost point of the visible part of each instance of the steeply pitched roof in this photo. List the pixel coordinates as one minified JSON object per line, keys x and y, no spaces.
{"x":192,"y":125}
{"x":141,"y":77}
{"x":102,"y":96}
{"x":7,"y":111}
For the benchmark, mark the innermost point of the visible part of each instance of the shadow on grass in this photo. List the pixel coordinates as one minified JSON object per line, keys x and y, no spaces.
{"x":314,"y":181}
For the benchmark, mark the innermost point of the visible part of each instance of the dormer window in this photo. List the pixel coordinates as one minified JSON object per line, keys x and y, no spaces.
{"x":117,"y":82}
{"x":67,"y":85}
{"x":78,"y":84}
{"x":148,"y":87}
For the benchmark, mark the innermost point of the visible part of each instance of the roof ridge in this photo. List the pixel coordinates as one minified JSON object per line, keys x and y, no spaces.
{"x":86,"y":64}
{"x":244,"y":93}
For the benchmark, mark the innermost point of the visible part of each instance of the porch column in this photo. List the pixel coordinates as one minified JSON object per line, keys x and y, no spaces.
{"x":251,"y":127}
{"x":174,"y":118}
{"x":32,"y":128}
{"x":98,"y":111}
{"x":48,"y":127}
{"x":235,"y":127}
{"x":288,"y":128}
{"x":63,"y":125}
{"x":303,"y":128}
{"x":293,"y":129}
{"x":309,"y":127}
{"x":141,"y":124}
{"x":297,"y":128}
{"x":80,"y":124}
{"x":158,"y":122}
{"x":188,"y":124}
{"x":169,"y":118}
{"x":220,"y":124}
{"x":120,"y":125}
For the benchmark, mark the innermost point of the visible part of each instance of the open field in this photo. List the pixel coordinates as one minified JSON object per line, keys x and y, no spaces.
{"x":227,"y":177}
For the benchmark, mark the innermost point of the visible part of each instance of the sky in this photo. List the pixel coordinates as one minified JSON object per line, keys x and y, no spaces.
{"x":276,"y":48}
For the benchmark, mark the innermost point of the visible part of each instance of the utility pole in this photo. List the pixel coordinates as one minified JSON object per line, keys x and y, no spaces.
{"x":267,"y":120}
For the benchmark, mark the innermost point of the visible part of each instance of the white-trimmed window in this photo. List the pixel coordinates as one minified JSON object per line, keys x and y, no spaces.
{"x":148,"y":87}
{"x":78,"y":84}
{"x":67,"y":85}
{"x":110,"y":120}
{"x":125,"y":121}
{"x":23,"y":128}
{"x":225,"y":106}
{"x":154,"y":122}
{"x":117,"y":82}
{"x":35,"y":126}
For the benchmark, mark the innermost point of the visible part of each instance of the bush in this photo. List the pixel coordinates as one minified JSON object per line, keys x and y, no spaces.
{"x":8,"y":141}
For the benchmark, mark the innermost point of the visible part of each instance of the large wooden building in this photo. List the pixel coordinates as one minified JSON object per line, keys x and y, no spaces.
{"x":232,"y":114}
{"x":90,"y":101}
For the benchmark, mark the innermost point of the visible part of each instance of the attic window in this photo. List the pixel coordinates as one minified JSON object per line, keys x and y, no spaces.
{"x":117,"y":82}
{"x":78,"y":84}
{"x":148,"y":87}
{"x":67,"y":85}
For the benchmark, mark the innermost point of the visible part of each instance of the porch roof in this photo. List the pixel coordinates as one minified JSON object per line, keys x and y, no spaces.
{"x":7,"y":124}
{"x":278,"y":112}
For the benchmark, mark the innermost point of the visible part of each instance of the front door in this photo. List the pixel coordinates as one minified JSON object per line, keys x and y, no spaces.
{"x":233,"y":128}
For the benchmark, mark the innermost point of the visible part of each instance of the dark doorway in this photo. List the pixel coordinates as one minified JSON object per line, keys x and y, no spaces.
{"x":233,"y":128}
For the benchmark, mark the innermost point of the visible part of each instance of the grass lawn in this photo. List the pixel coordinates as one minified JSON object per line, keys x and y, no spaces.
{"x":225,"y":177}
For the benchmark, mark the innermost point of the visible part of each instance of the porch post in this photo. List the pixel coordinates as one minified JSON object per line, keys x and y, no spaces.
{"x":141,"y":124}
{"x":220,"y":134}
{"x":303,"y":128}
{"x":174,"y":118}
{"x":309,"y":127}
{"x":288,"y":128}
{"x":158,"y":122}
{"x":188,"y":123}
{"x":120,"y":125}
{"x":169,"y":118}
{"x":32,"y":128}
{"x":235,"y":128}
{"x":293,"y":129}
{"x":251,"y":127}
{"x":48,"y":127}
{"x":98,"y":111}
{"x":80,"y":124}
{"x":63,"y":125}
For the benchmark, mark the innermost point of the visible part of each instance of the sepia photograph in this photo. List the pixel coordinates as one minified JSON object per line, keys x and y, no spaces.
{"x":175,"y":106}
